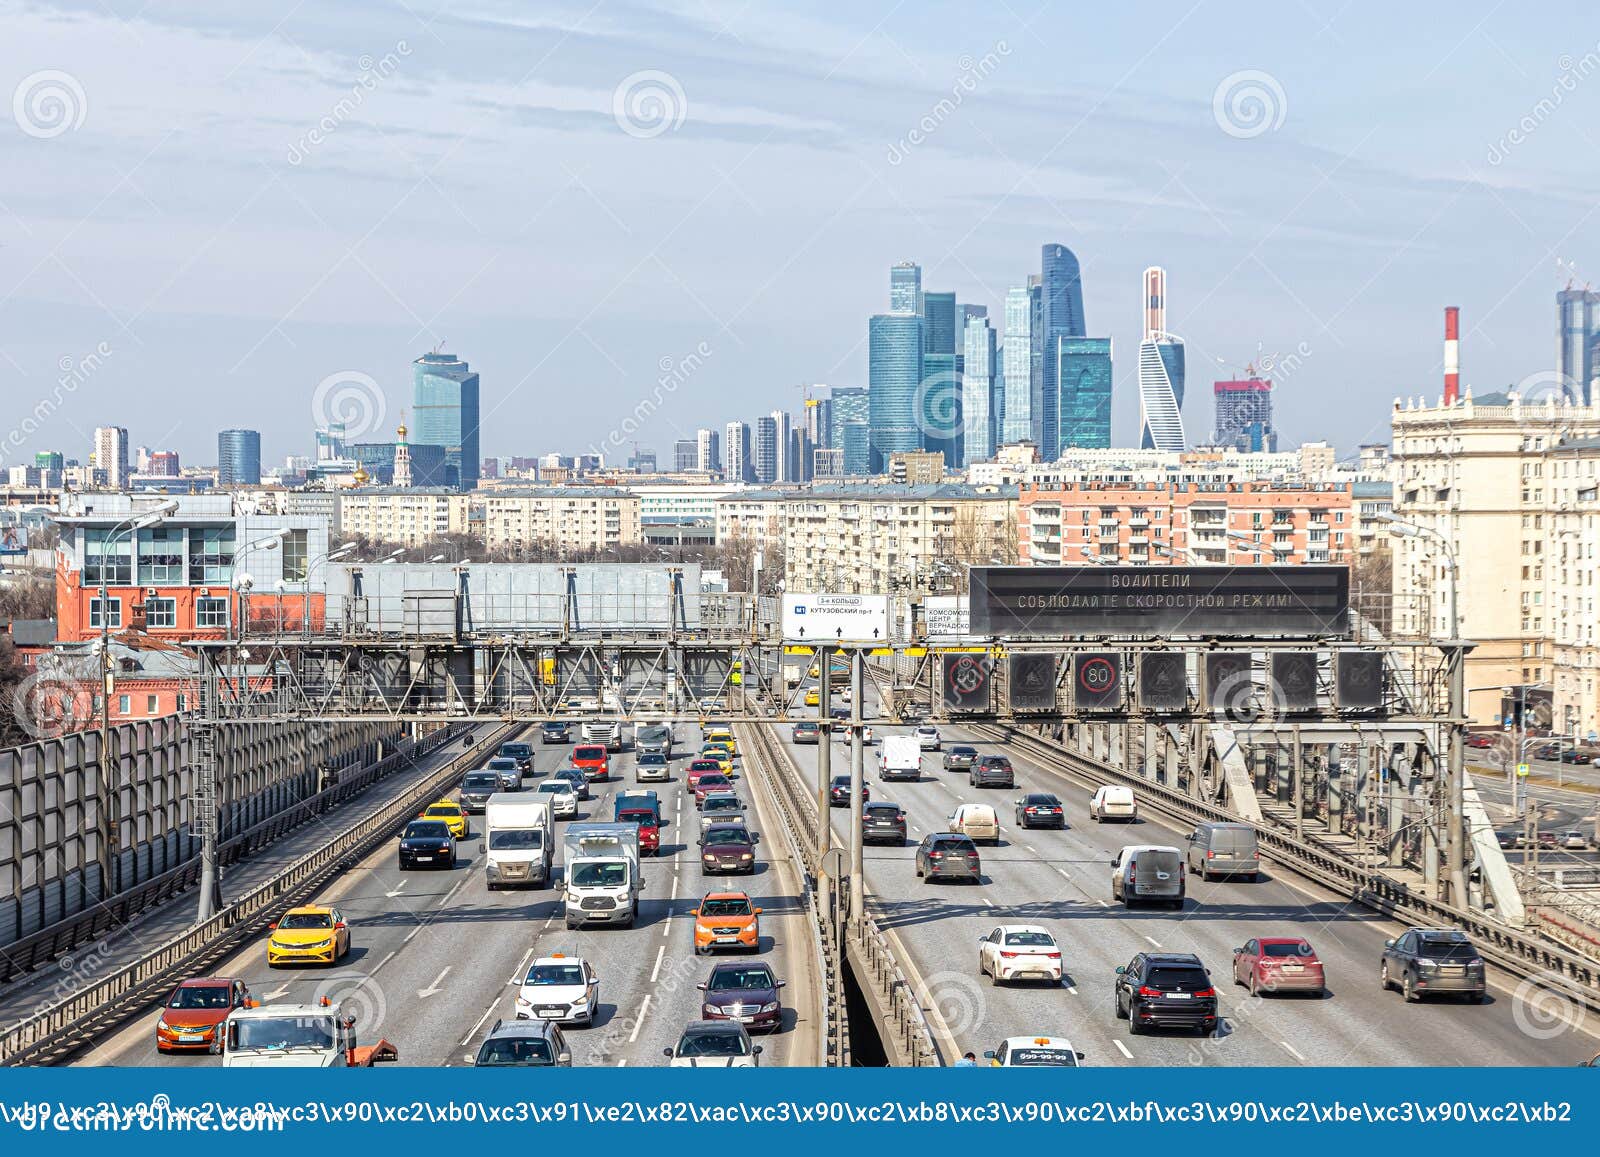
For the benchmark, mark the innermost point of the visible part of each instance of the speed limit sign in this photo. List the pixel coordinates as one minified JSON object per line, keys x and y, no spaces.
{"x":1097,"y":681}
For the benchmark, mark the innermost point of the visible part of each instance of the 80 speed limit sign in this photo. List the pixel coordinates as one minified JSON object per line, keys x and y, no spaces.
{"x":1097,"y":681}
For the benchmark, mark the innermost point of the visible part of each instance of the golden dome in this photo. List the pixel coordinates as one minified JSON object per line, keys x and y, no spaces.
{"x":361,"y":476}
{"x":402,"y":431}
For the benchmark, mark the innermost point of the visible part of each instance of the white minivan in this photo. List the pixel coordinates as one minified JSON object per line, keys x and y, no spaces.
{"x":976,"y":821}
{"x":1113,"y":802}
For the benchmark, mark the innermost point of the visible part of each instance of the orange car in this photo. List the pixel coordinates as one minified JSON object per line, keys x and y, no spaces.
{"x":193,"y":1016}
{"x":727,"y":920}
{"x":591,"y":759}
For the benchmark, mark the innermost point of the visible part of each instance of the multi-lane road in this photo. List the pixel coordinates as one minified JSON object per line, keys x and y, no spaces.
{"x":1061,"y":880}
{"x":436,"y":956}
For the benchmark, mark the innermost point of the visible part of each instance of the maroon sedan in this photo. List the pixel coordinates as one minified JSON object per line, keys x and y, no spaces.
{"x":709,"y":782}
{"x":192,"y":1019}
{"x":1274,"y":964}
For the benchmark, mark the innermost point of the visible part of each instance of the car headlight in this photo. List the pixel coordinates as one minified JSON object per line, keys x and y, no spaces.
{"x":524,"y":1002}
{"x":770,"y":1006}
{"x":1423,"y":962}
{"x":162,"y":1025}
{"x":746,"y":856}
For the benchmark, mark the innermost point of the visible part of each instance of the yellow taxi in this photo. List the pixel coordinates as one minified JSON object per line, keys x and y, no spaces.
{"x":720,"y":753}
{"x":450,"y":812}
{"x":723,"y":736}
{"x":812,"y":698}
{"x":311,"y":934}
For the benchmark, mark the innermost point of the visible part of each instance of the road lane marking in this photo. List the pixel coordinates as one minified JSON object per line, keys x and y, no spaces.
{"x":639,"y":1020}
{"x":987,"y":901}
{"x":433,"y":989}
{"x":474,"y":1030}
{"x":1103,"y":903}
{"x":1154,"y":941}
{"x":398,"y":890}
{"x":1031,"y":848}
{"x":522,"y":969}
{"x":656,"y":971}
{"x":1063,"y":873}
{"x":1290,"y":1048}
{"x":1122,"y":1048}
{"x":448,"y":896}
{"x":384,"y":961}
{"x":622,"y":1062}
{"x":1072,"y":988}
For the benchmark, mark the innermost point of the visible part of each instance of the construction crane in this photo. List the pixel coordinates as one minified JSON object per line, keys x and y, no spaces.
{"x":805,"y":392}
{"x":1570,"y":268}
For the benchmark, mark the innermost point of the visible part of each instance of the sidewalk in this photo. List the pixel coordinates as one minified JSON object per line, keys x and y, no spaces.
{"x":91,"y":963}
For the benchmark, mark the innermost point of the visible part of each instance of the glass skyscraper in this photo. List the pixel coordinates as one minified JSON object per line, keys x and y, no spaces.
{"x":1017,"y":368}
{"x":1161,"y":394}
{"x":849,"y":404}
{"x":444,"y":404}
{"x":239,"y":458}
{"x":855,"y":441}
{"x":894,"y":379}
{"x":736,"y":453}
{"x":766,"y":450}
{"x":905,"y":288}
{"x":939,"y":401}
{"x":977,"y":395}
{"x":1085,"y":366}
{"x":1577,"y":334}
{"x":1060,"y":315}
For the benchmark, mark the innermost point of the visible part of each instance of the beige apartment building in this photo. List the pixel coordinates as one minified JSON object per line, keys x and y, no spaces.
{"x":752,"y":515}
{"x":1512,"y":488}
{"x":575,"y":518}
{"x":892,"y":538}
{"x":408,"y":516}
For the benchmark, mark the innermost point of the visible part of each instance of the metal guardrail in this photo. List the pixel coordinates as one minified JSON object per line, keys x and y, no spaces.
{"x":59,"y":1030}
{"x":906,"y":1021}
{"x":830,"y":985}
{"x":1516,"y":952}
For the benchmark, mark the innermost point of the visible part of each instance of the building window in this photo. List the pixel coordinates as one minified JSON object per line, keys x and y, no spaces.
{"x":183,"y":701}
{"x":150,"y":705}
{"x":105,"y":561}
{"x":212,"y":613}
{"x":161,"y":556}
{"x":114,"y":617}
{"x":211,"y":555}
{"x":295,"y":546}
{"x":124,"y":705}
{"x":160,"y":613}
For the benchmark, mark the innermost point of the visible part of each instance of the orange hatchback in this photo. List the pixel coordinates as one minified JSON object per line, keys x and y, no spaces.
{"x":726,"y":920}
{"x":194,"y":1013}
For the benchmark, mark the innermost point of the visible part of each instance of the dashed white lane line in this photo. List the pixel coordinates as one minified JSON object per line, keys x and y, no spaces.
{"x":1072,"y":988}
{"x":1103,"y":903}
{"x":522,"y":969}
{"x":666,"y":922}
{"x":987,"y":901}
{"x":1031,"y":848}
{"x":622,"y":1062}
{"x":450,"y":895}
{"x":656,"y":971}
{"x":1289,"y":1048}
{"x":1122,"y":1048}
{"x":385,"y":960}
{"x":487,"y":1013}
{"x":638,"y":1021}
{"x":1063,"y":873}
{"x":1153,"y":941}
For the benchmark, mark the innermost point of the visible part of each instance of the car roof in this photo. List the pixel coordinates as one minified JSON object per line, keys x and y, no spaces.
{"x":1152,"y":848}
{"x":207,"y":981}
{"x":1452,"y":934}
{"x":1010,"y":928}
{"x":310,"y":910}
{"x":506,"y":1029}
{"x":950,"y":836}
{"x":1187,"y":958}
{"x":559,"y":958}
{"x":1282,"y":940}
{"x":726,"y":896}
{"x":731,"y":1028}
{"x":1040,"y":795}
{"x":1037,"y":1042}
{"x":442,"y":803}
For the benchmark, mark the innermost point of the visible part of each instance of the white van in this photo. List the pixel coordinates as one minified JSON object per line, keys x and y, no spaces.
{"x":1112,"y":802}
{"x":976,"y":821}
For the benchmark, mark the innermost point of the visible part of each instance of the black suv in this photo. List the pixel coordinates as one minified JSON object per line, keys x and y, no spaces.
{"x":427,"y":842}
{"x":883,"y":821}
{"x":992,"y":771}
{"x":948,"y":856}
{"x":1166,"y":990}
{"x":1426,"y":961}
{"x":555,"y":731}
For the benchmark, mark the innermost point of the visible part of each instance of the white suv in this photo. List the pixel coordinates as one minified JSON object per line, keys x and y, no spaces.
{"x":929,"y":739}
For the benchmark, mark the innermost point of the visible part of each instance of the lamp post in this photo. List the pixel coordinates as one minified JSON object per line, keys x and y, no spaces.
{"x":305,"y":607}
{"x":108,"y":795}
{"x":1455,"y":649}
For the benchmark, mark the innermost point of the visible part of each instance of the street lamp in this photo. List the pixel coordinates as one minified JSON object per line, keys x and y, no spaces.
{"x":1402,"y":528}
{"x":244,"y":582}
{"x":108,"y":832}
{"x":394,"y":557}
{"x":334,"y":555}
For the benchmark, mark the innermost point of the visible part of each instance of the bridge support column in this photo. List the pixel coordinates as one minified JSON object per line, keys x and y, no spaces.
{"x":858,"y":761}
{"x":1397,"y":819}
{"x":1335,"y":789}
{"x":1149,"y":753}
{"x":1117,"y":744}
{"x":824,"y":752}
{"x":1298,"y":774}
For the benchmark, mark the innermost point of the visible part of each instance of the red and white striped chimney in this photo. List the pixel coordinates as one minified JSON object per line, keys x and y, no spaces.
{"x":1452,"y":354}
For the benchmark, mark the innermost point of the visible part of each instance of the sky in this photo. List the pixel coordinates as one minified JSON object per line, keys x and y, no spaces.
{"x":257,"y":214}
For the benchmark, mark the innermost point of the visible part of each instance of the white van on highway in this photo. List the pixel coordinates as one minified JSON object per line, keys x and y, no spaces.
{"x":1113,"y":802}
{"x":976,"y":821}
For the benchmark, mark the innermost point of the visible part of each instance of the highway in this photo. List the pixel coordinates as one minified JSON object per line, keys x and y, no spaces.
{"x":1061,"y":880}
{"x":436,"y":956}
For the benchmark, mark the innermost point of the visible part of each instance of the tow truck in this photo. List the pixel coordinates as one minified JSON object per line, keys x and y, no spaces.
{"x":298,"y":1036}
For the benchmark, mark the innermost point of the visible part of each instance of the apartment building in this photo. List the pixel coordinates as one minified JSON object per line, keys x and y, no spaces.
{"x":1163,"y":523}
{"x":577,"y":518}
{"x":411,"y":517}
{"x":754,"y":516}
{"x":1511,"y":488}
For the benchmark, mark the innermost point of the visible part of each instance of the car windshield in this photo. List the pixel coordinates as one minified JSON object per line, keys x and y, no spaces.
{"x":705,"y":765}
{"x":514,"y":1052}
{"x":516,"y":750}
{"x":481,"y":780}
{"x":502,"y":763}
{"x":636,"y":815}
{"x":555,"y":726}
{"x":444,"y":809}
{"x":880,"y":811}
{"x":954,"y":846}
{"x":841,"y":781}
{"x":726,"y":836}
{"x":554,"y":974}
{"x":426,"y":830}
{"x":516,"y":840}
{"x":1300,"y":948}
{"x":606,"y":874}
{"x":283,"y":1032}
{"x":1178,"y":978}
{"x":730,"y":979}
{"x":556,"y":787}
{"x":1058,"y":1058}
{"x":653,"y":734}
{"x":716,"y":803}
{"x":1446,"y":949}
{"x":306,"y":920}
{"x":201,"y":996}
{"x":652,"y":759}
{"x":714,"y":780}
{"x":714,"y":1044}
{"x":1029,"y":940}
{"x":725,"y":908}
{"x":588,"y":753}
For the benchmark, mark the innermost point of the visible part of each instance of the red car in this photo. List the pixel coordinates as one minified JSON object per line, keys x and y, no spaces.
{"x":193,"y":1016}
{"x":649,"y":828}
{"x":591,"y":759}
{"x":703,"y":767}
{"x":1480,"y":740}
{"x":1274,"y":964}
{"x":708,"y":782}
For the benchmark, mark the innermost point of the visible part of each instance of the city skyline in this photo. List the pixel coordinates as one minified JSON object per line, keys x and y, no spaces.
{"x":309,"y":258}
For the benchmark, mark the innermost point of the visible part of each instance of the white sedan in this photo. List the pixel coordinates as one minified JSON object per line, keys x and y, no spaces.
{"x":562,"y":798}
{"x":1035,"y":1052}
{"x":563,"y":989}
{"x":929,"y":739}
{"x":1019,"y":952}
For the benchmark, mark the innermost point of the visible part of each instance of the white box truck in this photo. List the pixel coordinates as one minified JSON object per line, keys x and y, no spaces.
{"x":602,"y":874}
{"x":518,"y":840}
{"x":900,"y":757}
